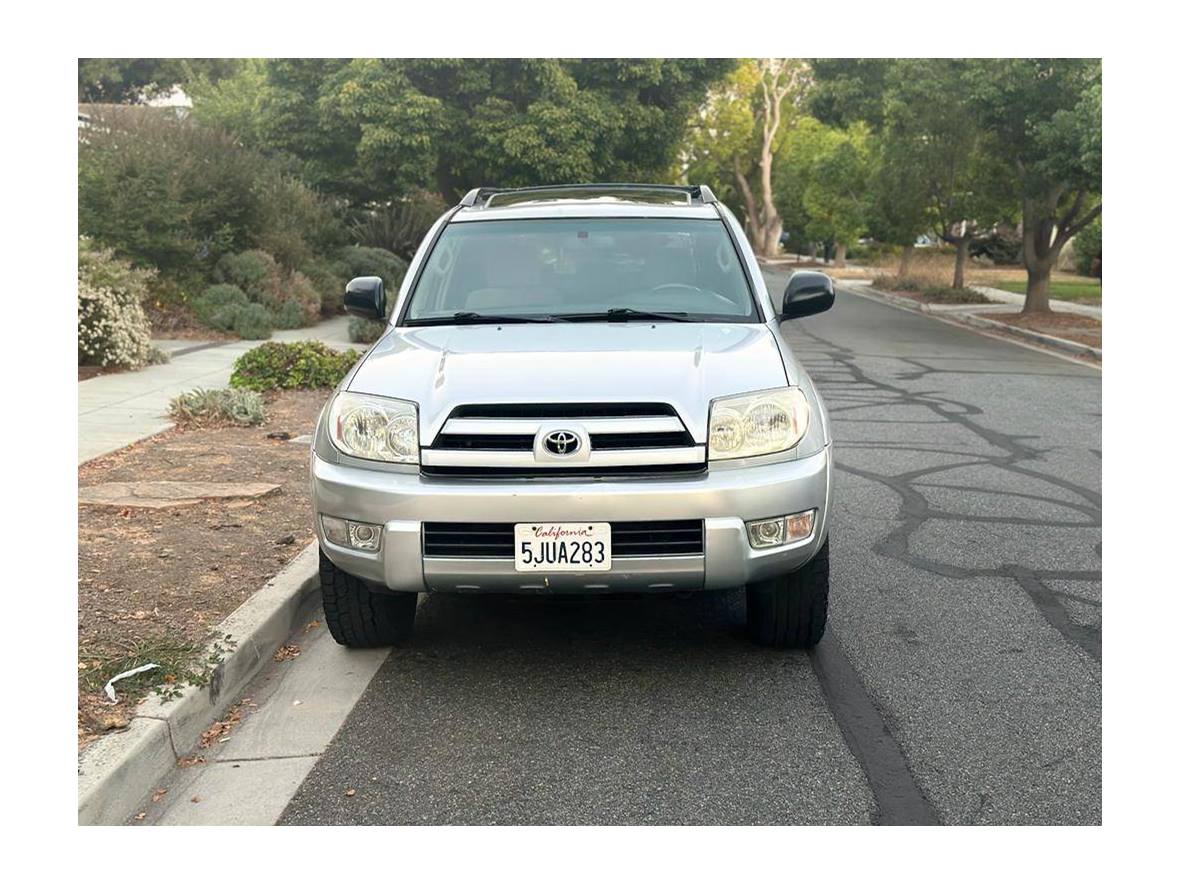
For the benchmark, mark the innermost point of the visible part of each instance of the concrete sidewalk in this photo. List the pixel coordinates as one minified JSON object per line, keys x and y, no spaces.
{"x":116,"y":410}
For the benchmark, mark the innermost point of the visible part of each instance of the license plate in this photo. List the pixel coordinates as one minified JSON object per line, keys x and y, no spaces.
{"x":563,"y":546}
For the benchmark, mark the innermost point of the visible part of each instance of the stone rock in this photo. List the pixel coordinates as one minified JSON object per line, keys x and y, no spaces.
{"x":158,"y":494}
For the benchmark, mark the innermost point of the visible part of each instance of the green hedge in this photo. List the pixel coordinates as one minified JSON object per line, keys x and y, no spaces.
{"x":287,"y":365}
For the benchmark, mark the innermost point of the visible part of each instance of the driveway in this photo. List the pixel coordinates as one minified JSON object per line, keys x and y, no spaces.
{"x":959,"y":682}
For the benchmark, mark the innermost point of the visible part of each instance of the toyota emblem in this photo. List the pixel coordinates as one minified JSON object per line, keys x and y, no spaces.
{"x":562,"y":442}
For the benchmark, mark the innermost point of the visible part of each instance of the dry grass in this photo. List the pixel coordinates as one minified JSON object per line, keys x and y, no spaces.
{"x":936,"y":269}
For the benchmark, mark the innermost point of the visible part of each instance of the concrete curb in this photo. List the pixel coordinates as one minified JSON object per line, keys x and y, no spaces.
{"x":116,"y":773}
{"x":1063,"y":344}
{"x":968,"y":315}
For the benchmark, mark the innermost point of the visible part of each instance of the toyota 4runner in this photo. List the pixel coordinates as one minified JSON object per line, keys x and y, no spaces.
{"x":580,"y":389}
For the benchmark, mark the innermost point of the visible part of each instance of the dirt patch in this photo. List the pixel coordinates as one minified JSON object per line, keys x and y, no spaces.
{"x":85,"y":373}
{"x":153,"y":584}
{"x":1072,"y":327}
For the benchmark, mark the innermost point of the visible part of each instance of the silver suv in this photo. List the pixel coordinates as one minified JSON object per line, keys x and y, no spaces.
{"x":580,"y":389}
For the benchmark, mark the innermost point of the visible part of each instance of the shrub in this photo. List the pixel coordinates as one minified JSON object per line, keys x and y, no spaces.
{"x":1087,"y":247}
{"x":948,"y":295}
{"x":218,"y":306}
{"x":113,"y":330}
{"x":226,"y":406}
{"x":370,"y":261}
{"x":400,"y":226}
{"x":899,"y":284}
{"x":265,"y":282}
{"x":298,"y":289}
{"x":363,"y":331}
{"x":329,"y":277}
{"x":288,"y":316}
{"x":254,"y":272}
{"x":285,"y":365}
{"x":178,"y":195}
{"x":253,"y":322}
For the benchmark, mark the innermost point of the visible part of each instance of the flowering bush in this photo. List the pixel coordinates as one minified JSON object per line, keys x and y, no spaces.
{"x":113,"y":329}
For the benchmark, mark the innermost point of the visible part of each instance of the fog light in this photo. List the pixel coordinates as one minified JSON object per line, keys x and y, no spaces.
{"x":346,"y":533}
{"x":766,"y":533}
{"x":363,"y":536}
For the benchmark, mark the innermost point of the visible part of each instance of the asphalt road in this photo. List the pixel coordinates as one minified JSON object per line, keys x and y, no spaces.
{"x":959,"y":682}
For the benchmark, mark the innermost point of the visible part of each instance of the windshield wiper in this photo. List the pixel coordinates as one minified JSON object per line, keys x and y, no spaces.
{"x":622,"y":314}
{"x":470,"y":317}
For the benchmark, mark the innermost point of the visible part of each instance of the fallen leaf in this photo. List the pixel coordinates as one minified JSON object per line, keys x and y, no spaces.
{"x":350,"y":792}
{"x":195,"y":799}
{"x":159,"y":794}
{"x":287,"y":652}
{"x":189,"y":761}
{"x":141,"y":815}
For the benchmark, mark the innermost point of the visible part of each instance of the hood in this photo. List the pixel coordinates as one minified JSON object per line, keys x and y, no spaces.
{"x":683,"y":364}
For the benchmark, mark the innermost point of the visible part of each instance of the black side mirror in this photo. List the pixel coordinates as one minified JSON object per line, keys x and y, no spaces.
{"x":808,"y":292}
{"x":365,"y":297}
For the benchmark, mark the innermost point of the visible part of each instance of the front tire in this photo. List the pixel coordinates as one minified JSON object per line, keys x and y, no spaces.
{"x":360,"y":618}
{"x":790,"y":611}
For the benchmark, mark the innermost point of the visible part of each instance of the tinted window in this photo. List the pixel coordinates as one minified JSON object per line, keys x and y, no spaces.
{"x":584,"y":266}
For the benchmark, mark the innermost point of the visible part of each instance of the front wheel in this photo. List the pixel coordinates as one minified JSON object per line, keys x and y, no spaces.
{"x":357,"y":616}
{"x":790,"y":611}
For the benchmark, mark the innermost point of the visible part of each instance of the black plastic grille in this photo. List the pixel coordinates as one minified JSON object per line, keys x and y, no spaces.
{"x":468,"y":540}
{"x":523,"y":442}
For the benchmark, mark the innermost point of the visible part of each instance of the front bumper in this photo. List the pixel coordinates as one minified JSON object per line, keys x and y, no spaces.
{"x":725,"y":498}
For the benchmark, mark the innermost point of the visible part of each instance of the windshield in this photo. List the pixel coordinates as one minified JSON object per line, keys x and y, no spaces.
{"x":582,"y":269}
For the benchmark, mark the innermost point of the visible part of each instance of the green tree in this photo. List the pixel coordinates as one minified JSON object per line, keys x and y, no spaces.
{"x":837,"y":194}
{"x":129,"y":80}
{"x":940,"y":149}
{"x":741,"y":126}
{"x":372,"y":130}
{"x":1046,"y":115}
{"x":848,"y":90}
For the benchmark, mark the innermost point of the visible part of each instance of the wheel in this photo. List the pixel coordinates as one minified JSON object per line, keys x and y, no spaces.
{"x":360,"y":618}
{"x":790,"y":611}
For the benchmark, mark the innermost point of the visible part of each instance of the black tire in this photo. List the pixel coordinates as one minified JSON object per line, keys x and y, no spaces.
{"x":790,"y":611}
{"x":357,"y":616}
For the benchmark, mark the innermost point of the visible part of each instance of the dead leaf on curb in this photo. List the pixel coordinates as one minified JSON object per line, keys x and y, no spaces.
{"x":216,"y":733}
{"x":141,"y":815}
{"x":159,"y":794}
{"x":189,"y":761}
{"x":311,"y":625}
{"x":287,"y":652}
{"x":195,"y":799}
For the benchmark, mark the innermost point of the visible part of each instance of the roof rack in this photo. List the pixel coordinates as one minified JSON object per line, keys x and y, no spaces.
{"x":480,"y":195}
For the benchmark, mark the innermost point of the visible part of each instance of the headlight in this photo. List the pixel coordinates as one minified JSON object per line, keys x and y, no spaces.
{"x":757,"y":423}
{"x":374,"y":427}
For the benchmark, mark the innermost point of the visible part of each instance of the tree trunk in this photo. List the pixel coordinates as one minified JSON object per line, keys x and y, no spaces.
{"x":907,"y":257}
{"x":1037,"y":298}
{"x":841,"y":251}
{"x":962,"y":252}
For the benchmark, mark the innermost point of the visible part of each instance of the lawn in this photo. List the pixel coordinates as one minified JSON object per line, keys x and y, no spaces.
{"x":1081,"y":291}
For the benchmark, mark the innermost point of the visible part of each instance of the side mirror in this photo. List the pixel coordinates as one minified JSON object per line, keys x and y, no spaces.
{"x":365,"y":297}
{"x":808,"y":292}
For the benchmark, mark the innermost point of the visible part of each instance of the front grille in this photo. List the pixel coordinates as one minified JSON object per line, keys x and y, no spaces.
{"x":501,"y":439}
{"x":518,"y":442}
{"x":495,"y":540}
{"x":557,"y":411}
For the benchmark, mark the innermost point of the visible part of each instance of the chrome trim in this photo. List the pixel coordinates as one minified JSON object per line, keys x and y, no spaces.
{"x":645,"y":574}
{"x":530,"y":426}
{"x":603,"y":458}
